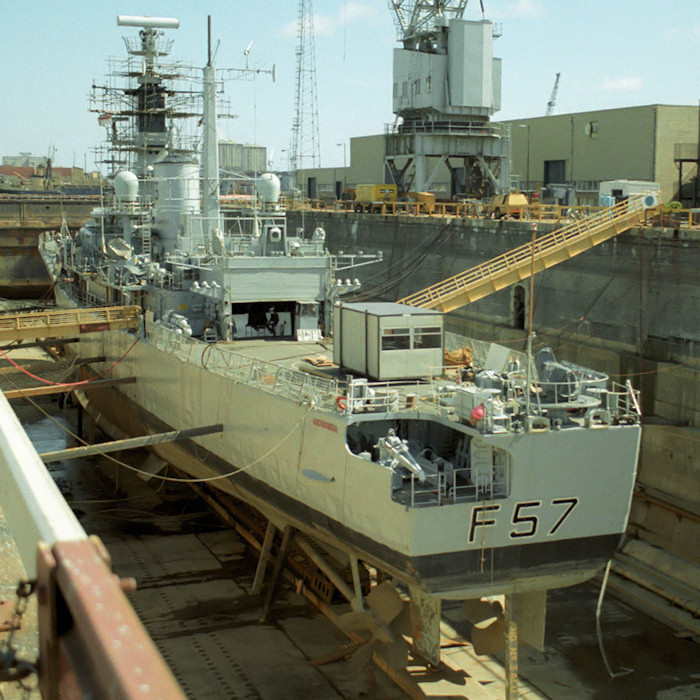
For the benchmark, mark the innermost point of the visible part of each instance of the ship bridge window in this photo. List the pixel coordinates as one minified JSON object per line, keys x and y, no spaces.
{"x":430,"y":337}
{"x":396,"y":339}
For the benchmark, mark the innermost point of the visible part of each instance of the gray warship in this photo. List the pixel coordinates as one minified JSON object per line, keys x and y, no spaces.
{"x":459,"y":468}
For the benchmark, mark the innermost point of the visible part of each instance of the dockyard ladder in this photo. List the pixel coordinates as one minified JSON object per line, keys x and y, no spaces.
{"x":144,"y":228}
{"x":543,"y":253}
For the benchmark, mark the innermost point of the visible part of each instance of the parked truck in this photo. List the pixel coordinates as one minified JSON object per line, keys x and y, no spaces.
{"x":372,"y":198}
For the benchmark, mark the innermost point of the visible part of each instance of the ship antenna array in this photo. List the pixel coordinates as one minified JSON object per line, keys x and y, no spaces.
{"x":208,"y":40}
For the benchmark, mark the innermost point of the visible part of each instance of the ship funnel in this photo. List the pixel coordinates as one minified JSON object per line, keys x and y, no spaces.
{"x":146,"y":21}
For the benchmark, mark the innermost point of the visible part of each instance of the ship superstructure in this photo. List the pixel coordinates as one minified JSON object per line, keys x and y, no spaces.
{"x":497,"y":473}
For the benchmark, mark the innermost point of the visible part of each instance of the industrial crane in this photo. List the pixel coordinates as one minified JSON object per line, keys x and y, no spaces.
{"x":553,"y":98}
{"x":416,"y":16}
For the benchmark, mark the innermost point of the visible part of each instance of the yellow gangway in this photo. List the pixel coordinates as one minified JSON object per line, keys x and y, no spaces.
{"x":530,"y":258}
{"x":65,"y":323}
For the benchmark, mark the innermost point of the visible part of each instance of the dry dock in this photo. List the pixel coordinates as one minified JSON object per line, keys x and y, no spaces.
{"x":193,"y":580}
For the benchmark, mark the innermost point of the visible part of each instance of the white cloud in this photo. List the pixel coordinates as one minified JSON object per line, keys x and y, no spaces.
{"x":327,"y":25}
{"x":522,"y":8}
{"x":358,"y":11}
{"x":627,"y":84}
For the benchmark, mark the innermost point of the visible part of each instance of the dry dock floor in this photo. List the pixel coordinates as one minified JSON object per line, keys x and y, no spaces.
{"x":194,"y":576}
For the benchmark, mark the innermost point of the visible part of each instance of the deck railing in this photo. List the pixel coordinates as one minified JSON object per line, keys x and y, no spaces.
{"x":270,"y":377}
{"x":453,"y":486}
{"x":359,"y":395}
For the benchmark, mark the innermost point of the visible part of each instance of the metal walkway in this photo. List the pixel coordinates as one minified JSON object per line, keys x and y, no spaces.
{"x":528,"y":259}
{"x":67,"y":322}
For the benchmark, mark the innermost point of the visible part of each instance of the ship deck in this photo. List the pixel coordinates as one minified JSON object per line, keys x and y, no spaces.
{"x":304,"y":370}
{"x":277,"y":356}
{"x":287,"y":352}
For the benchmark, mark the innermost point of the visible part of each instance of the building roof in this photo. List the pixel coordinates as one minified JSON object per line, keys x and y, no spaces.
{"x":386,"y":308}
{"x":21,"y":171}
{"x":593,"y":111}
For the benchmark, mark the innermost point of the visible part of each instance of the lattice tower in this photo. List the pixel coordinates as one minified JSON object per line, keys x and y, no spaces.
{"x":305,"y":148}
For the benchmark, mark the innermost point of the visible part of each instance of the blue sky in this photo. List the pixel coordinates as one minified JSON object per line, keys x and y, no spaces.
{"x":609,"y":54}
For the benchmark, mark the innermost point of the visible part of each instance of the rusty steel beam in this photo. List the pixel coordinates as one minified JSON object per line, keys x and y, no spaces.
{"x":130,"y":443}
{"x":92,"y":644}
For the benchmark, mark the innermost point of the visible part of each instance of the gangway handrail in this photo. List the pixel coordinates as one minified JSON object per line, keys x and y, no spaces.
{"x":67,"y":322}
{"x":529,"y":258}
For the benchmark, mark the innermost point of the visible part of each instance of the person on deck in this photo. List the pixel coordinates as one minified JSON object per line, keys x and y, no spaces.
{"x":272,"y":321}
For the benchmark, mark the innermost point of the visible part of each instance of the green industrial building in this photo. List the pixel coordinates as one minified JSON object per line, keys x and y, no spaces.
{"x":576,"y":152}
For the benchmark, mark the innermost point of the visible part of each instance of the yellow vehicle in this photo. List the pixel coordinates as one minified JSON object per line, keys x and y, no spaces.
{"x":513,"y":204}
{"x":371,"y":198}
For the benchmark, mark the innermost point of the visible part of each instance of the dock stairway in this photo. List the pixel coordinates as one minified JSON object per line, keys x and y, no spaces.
{"x":530,"y":258}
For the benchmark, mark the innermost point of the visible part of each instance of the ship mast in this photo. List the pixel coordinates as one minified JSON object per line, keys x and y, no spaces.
{"x":210,"y":146}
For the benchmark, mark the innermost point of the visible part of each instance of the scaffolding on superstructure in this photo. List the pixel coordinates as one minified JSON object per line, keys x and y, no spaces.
{"x":149,"y":106}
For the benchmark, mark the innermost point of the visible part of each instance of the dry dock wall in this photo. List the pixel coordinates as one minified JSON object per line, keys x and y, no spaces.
{"x":638,"y":289}
{"x":22,"y":271}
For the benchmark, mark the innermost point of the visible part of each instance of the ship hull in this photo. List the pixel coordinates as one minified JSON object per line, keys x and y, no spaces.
{"x":269,"y":443}
{"x":458,"y":574}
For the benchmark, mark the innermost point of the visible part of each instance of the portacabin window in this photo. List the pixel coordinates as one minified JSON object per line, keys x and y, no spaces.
{"x":396,"y":339}
{"x":428,"y":337}
{"x":411,"y":338}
